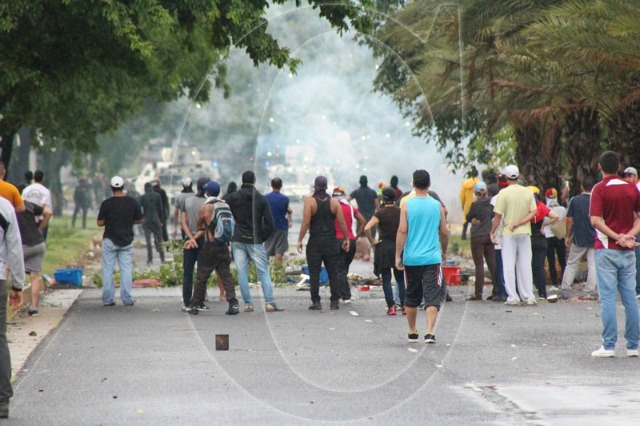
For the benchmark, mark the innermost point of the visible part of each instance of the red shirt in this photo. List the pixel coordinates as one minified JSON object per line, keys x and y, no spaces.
{"x":349,"y":212}
{"x":615,"y":200}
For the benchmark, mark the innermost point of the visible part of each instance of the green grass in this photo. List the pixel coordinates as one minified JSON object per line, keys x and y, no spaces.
{"x":459,"y":246}
{"x":66,"y":245}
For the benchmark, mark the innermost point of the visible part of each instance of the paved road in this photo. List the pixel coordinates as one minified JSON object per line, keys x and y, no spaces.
{"x":152,"y":364}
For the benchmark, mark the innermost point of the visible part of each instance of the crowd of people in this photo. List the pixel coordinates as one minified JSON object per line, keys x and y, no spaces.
{"x":513,"y":229}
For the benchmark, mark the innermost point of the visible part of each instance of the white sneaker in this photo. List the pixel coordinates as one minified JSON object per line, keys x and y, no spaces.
{"x":347,"y":302}
{"x":513,"y":302}
{"x":604,"y":353}
{"x":532,"y":302}
{"x":632,"y":353}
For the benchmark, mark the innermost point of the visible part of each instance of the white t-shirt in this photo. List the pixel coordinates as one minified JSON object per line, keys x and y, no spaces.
{"x":38,"y":194}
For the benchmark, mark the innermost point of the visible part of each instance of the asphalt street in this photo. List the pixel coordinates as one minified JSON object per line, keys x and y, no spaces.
{"x":152,"y":364}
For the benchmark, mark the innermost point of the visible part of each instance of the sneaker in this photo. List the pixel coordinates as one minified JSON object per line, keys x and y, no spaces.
{"x":565,"y":294}
{"x":202,"y":307}
{"x":604,"y":353}
{"x":316,"y":306}
{"x":474,"y":297}
{"x":272,"y":307}
{"x":513,"y":302}
{"x":391,"y":310}
{"x":334,"y":305}
{"x":191,"y":310}
{"x":347,"y":301}
{"x":632,"y":353}
{"x":448,"y":298}
{"x":429,"y":338}
{"x":110,"y":304}
{"x":413,"y":337}
{"x":532,"y":301}
{"x":489,"y":298}
{"x":233,"y":309}
{"x":129,"y":304}
{"x":248,"y":308}
{"x":33,"y":312}
{"x":499,"y":299}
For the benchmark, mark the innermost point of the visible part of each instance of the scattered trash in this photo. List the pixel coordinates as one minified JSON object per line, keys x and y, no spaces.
{"x":222,"y":342}
{"x":513,"y":346}
{"x":332,"y":328}
{"x":412,"y":350}
{"x":368,"y":320}
{"x":354,"y":313}
{"x":33,"y":333}
{"x":439,"y":366}
{"x":514,"y":358}
{"x":139,"y":411}
{"x":365,"y":287}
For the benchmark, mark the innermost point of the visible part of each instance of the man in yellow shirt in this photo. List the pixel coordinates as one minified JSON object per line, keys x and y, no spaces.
{"x":516,"y":205}
{"x":466,"y":198}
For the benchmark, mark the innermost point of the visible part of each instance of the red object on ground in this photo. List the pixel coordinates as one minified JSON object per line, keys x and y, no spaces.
{"x":451,"y":274}
{"x":148,"y":282}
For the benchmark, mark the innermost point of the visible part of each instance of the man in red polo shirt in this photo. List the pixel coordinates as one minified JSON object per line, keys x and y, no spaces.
{"x":614,"y":205}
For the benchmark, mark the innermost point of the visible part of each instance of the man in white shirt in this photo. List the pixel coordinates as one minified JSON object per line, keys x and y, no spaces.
{"x":38,"y":194}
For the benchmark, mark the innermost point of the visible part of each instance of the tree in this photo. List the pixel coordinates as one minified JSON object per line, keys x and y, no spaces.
{"x":75,"y":69}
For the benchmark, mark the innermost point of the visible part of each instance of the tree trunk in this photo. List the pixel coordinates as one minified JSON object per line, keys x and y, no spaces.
{"x":20,"y":159}
{"x":583,"y":136}
{"x":51,"y":163}
{"x":539,"y":163}
{"x":8,"y":130}
{"x":624,"y":135}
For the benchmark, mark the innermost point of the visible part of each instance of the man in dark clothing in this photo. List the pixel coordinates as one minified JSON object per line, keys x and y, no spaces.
{"x":82,"y":201}
{"x":254,"y":225}
{"x":278,"y":242}
{"x":482,"y":248}
{"x":214,"y":254}
{"x":153,"y":218}
{"x":319,"y":216}
{"x":118,"y":214}
{"x":368,"y":203}
{"x":165,"y":208}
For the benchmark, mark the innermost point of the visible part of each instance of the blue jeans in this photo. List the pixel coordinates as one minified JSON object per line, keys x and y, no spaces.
{"x":616,"y":269}
{"x":386,"y":285}
{"x":189,"y":259}
{"x":111,"y":253}
{"x":242,"y":252}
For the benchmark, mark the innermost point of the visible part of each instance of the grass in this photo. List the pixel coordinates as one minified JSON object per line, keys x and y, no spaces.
{"x":66,"y":245}
{"x":459,"y":246}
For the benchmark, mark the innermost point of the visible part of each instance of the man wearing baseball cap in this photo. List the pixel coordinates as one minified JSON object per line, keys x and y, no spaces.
{"x":118,"y":214}
{"x":517,"y":206}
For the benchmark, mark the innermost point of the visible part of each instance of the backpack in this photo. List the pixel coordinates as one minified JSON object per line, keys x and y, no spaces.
{"x":222,"y":222}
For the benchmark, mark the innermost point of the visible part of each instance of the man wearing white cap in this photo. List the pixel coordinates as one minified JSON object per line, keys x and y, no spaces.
{"x":118,"y":214}
{"x":517,"y":206}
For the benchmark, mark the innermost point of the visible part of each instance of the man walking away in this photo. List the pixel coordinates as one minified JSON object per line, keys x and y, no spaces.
{"x":580,"y":239}
{"x":11,"y":258}
{"x":152,"y":212}
{"x":165,"y":207}
{"x":421,"y":246}
{"x":614,"y":206}
{"x":254,"y":225}
{"x":367,"y":200}
{"x":214,"y":253}
{"x":320,"y":212}
{"x":81,"y":201}
{"x":278,"y":243}
{"x":118,"y":214}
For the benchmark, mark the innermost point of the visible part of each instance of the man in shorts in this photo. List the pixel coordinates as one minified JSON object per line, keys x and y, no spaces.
{"x":421,"y":246}
{"x":278,"y":243}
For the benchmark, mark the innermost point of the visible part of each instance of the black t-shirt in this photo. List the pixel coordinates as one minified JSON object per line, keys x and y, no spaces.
{"x":119,"y":214}
{"x":31,"y":235}
{"x":389,"y":218}
{"x":367,"y":199}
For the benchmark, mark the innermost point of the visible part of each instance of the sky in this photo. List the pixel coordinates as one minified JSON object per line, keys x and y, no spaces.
{"x":326,"y":119}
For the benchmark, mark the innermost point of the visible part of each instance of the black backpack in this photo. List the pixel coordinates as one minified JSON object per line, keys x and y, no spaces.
{"x":222,"y":222}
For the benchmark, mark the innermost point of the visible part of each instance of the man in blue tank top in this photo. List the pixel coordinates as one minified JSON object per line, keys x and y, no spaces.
{"x":421,"y":246}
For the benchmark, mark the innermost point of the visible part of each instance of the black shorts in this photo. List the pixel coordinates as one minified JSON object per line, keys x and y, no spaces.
{"x":423,"y":282}
{"x":278,"y":243}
